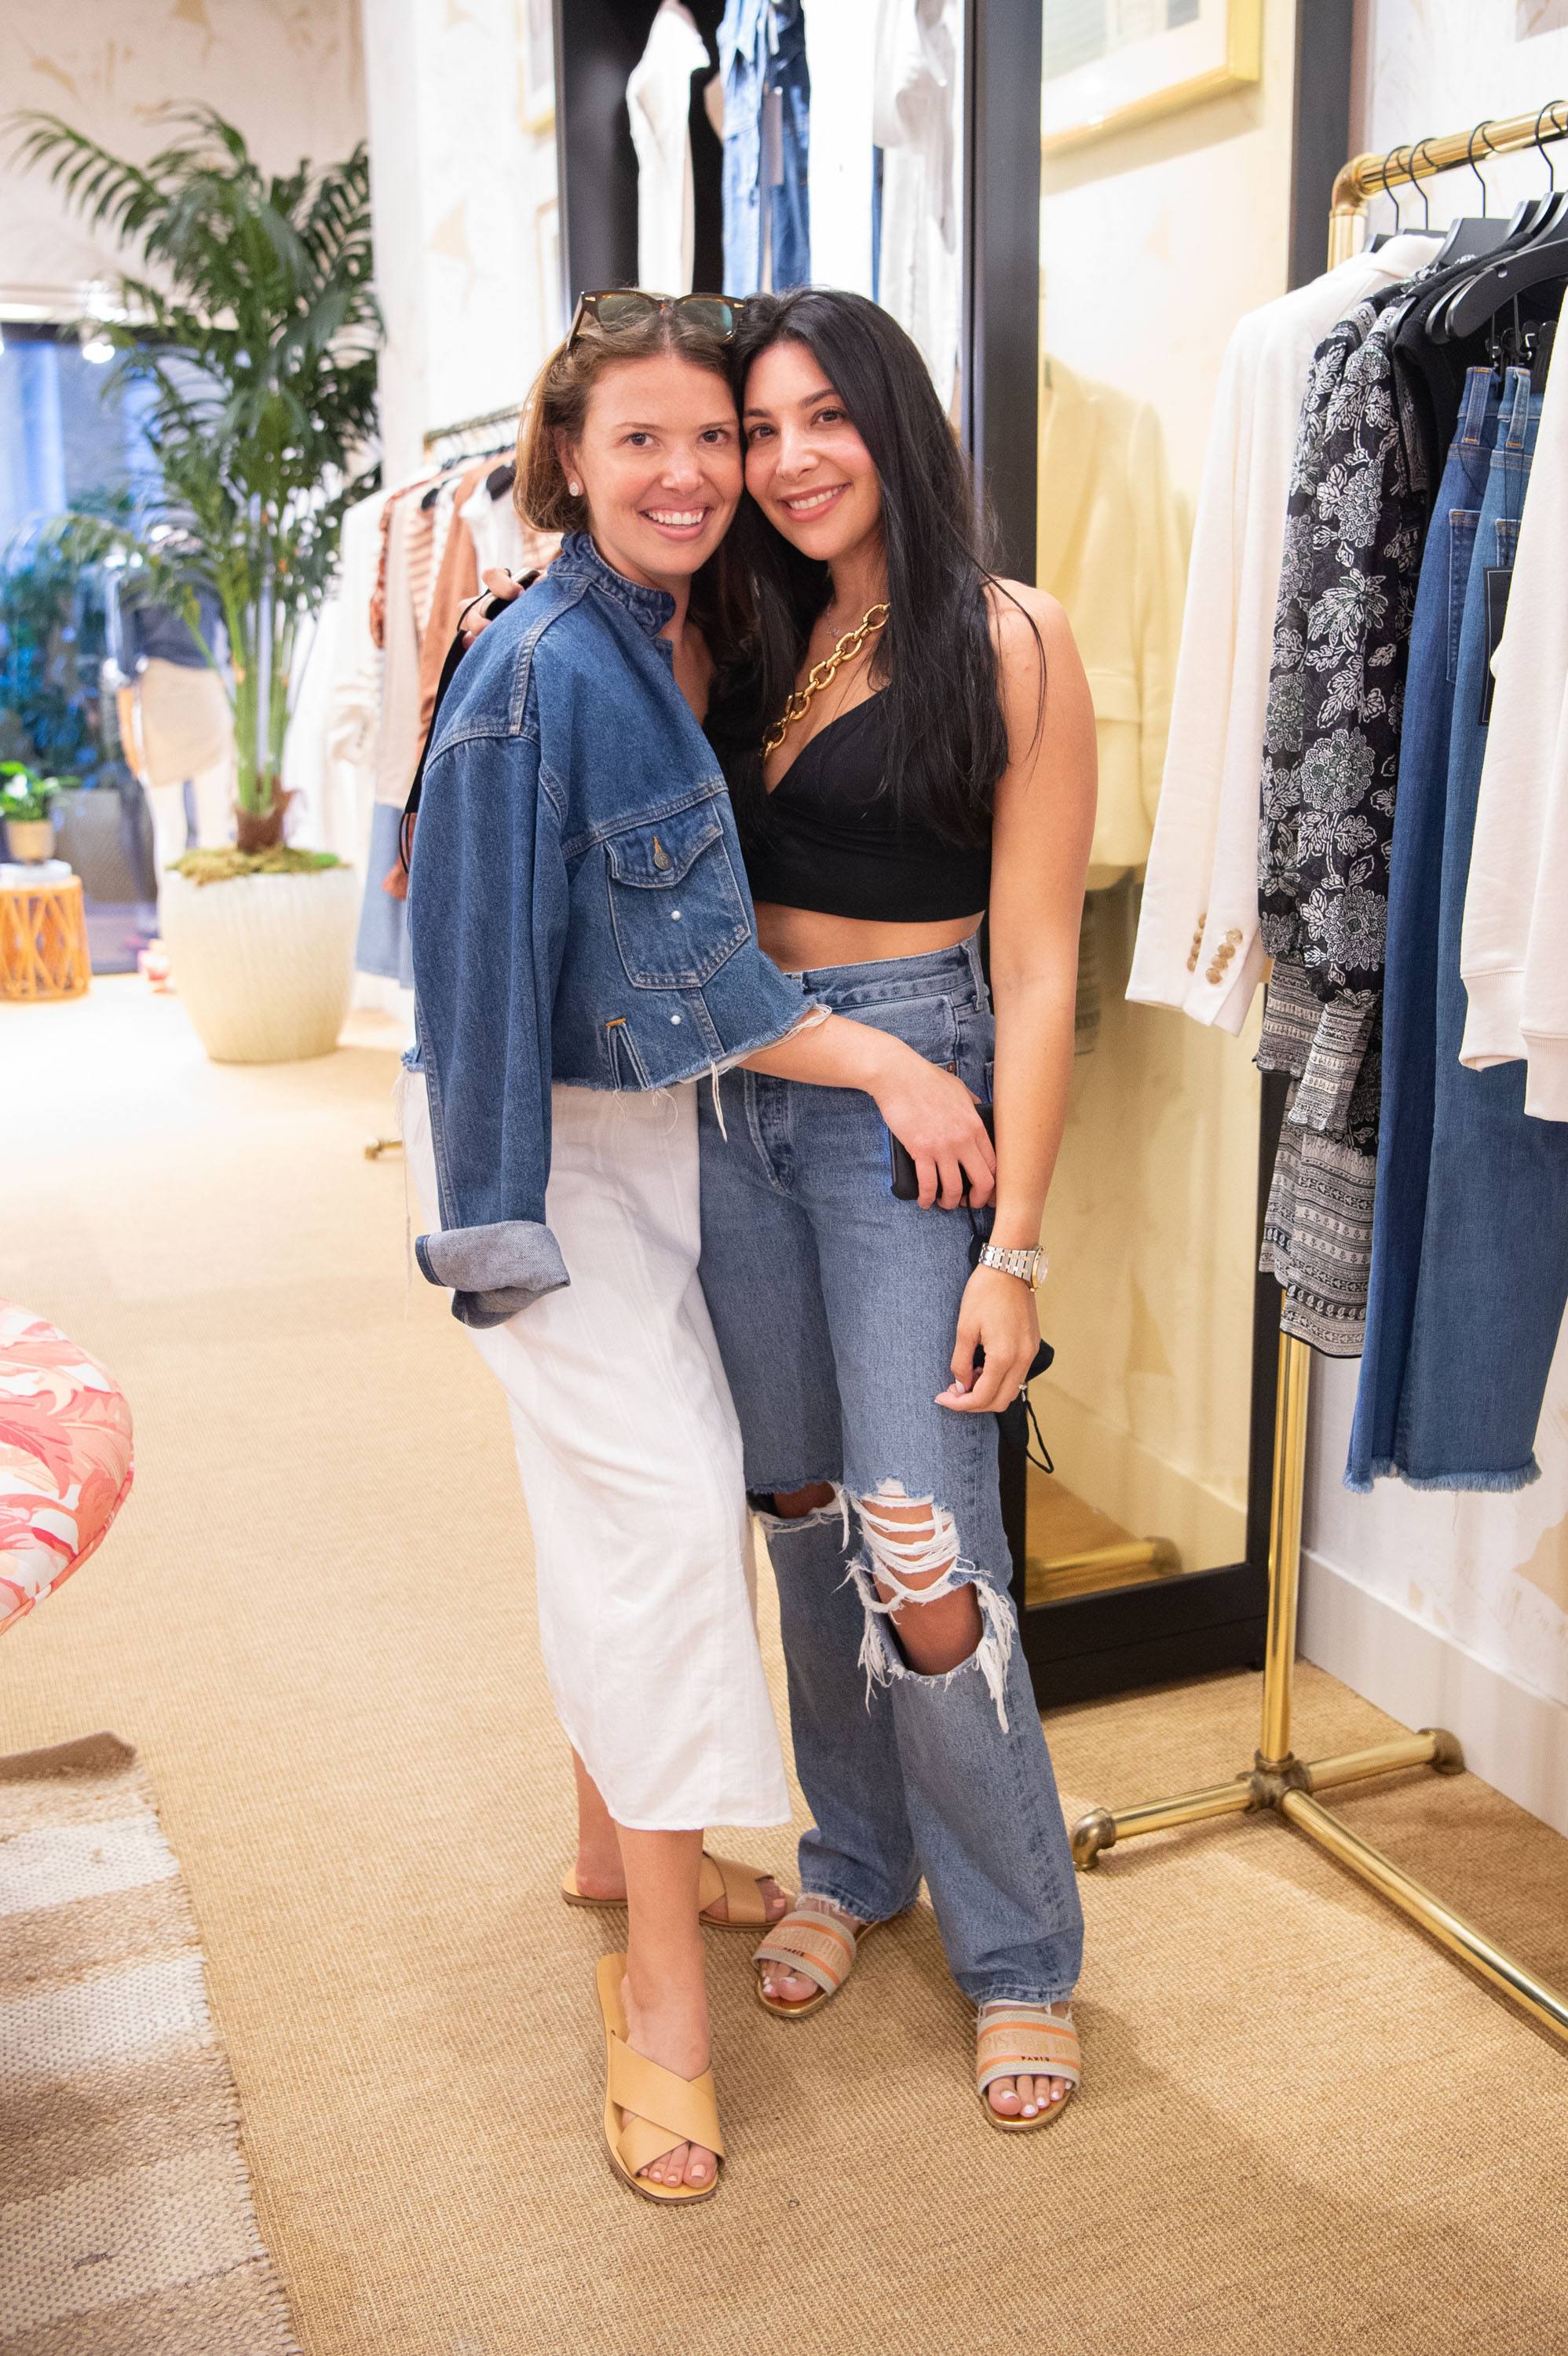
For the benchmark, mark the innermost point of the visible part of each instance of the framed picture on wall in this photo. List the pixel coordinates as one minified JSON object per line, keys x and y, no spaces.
{"x":536,"y":40}
{"x":1113,"y":63}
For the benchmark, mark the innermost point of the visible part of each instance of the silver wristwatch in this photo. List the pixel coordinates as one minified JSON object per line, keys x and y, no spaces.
{"x":1030,"y":1264}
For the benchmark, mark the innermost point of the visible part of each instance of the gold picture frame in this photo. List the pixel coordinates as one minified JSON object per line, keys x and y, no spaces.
{"x":1219,"y":48}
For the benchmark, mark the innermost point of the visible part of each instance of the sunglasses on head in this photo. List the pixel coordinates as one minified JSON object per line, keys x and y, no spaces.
{"x":620,"y":308}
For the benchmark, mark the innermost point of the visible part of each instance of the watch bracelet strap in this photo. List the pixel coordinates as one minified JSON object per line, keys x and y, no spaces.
{"x":1034,"y":1263}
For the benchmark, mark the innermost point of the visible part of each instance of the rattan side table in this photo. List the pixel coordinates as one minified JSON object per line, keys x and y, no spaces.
{"x":43,"y":941}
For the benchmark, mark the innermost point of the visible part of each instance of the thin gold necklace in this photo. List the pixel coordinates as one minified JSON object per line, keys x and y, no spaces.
{"x":821,"y":674}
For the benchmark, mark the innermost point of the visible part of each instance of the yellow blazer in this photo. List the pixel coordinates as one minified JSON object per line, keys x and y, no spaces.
{"x":1112,"y":546}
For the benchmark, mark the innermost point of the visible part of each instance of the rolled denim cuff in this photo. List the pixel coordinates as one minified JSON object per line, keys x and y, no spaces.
{"x":494,"y":1270}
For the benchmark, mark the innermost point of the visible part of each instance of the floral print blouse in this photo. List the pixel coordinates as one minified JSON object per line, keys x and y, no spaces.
{"x":1355,"y":528}
{"x":1356,"y":525}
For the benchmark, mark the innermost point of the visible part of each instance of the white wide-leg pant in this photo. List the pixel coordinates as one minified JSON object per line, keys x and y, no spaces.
{"x":630,"y":1456}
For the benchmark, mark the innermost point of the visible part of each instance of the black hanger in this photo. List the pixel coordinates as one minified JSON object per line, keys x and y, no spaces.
{"x":1477,"y":234}
{"x":1383,"y":235}
{"x":1534,"y":254}
{"x":1506,"y":281}
{"x":1548,"y":212}
{"x":1416,"y":182}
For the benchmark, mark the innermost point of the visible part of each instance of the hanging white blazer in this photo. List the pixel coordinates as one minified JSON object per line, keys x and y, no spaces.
{"x":914,"y":120}
{"x":1198,"y":948}
{"x":1514,"y":949}
{"x":1110,"y":546}
{"x":658,"y":101}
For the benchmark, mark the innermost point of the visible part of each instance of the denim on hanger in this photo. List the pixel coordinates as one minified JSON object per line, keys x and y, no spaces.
{"x":1415,"y":883}
{"x":767,"y":109}
{"x":1493,"y":1258}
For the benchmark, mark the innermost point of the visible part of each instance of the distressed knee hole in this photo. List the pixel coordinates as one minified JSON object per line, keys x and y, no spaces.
{"x":781,"y":1511}
{"x":913,"y":1559}
{"x":797,"y":1504}
{"x":912,"y":1543}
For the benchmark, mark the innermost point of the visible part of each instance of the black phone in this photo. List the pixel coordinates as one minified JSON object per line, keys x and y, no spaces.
{"x":905,"y":1184}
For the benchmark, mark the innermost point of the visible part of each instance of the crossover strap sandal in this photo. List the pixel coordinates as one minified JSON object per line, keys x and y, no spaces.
{"x":1025,"y":2040}
{"x":740,"y":1886}
{"x":820,"y":1947}
{"x":647,"y":2109}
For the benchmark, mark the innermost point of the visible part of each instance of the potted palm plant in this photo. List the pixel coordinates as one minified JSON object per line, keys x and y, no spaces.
{"x":251,"y":330}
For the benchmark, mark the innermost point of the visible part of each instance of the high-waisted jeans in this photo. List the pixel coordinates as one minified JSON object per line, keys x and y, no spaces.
{"x":1471,"y":1241}
{"x":836,"y":1307}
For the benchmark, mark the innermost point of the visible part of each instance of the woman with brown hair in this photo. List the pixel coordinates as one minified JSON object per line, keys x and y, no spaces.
{"x":584,"y":950}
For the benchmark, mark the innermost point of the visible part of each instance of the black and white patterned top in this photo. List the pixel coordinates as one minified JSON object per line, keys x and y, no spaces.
{"x":1355,"y":527}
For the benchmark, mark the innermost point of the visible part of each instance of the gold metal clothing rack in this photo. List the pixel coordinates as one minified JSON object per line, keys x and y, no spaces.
{"x":1365,"y":177}
{"x":1277,"y":1779}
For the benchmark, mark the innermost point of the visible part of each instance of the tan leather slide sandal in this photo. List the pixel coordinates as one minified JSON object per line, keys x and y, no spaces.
{"x":1025,"y":2040}
{"x":649,"y":2110}
{"x":739,"y":1885}
{"x":820,"y":1947}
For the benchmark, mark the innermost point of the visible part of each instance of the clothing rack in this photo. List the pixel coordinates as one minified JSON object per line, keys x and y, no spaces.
{"x":1277,"y":1779}
{"x":1365,"y":177}
{"x":460,"y":435}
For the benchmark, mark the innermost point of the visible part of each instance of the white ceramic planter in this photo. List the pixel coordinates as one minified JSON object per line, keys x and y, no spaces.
{"x":263,"y":964}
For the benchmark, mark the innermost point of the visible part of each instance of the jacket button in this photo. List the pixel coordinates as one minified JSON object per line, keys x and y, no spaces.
{"x":675,"y":915}
{"x":675,"y":1018}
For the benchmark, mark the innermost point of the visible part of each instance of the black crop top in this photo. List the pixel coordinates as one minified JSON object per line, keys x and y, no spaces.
{"x":830,"y":839}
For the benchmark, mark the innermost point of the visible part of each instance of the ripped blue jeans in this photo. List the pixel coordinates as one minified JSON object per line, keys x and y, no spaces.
{"x":836,"y":1307}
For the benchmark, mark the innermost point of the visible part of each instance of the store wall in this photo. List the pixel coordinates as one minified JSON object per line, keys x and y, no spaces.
{"x":289,"y":72}
{"x":464,"y":188}
{"x":1451,"y":1610}
{"x":1153,"y":243}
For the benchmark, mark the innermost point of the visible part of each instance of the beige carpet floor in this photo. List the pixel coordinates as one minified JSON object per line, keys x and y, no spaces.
{"x":1305,"y":2131}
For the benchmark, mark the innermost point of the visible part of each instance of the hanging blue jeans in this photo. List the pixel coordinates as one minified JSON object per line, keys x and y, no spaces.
{"x":835,"y":1306}
{"x":1493,"y":1274}
{"x":1415,"y":884}
{"x":762,"y":57}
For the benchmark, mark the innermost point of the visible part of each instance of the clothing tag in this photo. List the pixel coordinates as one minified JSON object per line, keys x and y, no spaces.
{"x":1499,"y":578}
{"x":1542,"y":360}
{"x":772,"y":139}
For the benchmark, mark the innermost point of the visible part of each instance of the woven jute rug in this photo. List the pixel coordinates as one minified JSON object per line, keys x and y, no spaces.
{"x":125,"y":2218}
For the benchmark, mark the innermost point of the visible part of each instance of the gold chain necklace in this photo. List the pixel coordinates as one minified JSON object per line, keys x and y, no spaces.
{"x":820,"y":674}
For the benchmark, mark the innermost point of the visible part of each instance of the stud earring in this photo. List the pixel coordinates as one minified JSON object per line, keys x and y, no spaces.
{"x":575,"y":487}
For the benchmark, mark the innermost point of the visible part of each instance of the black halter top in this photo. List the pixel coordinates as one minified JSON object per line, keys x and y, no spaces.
{"x":829,"y":838}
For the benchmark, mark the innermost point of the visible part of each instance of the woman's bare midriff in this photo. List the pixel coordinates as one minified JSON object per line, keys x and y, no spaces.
{"x":801,"y":940}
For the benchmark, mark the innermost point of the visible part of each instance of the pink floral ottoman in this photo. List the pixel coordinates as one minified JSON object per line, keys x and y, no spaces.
{"x":65,"y":1458}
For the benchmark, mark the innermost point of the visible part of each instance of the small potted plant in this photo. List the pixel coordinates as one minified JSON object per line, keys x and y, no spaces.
{"x":27,"y":801}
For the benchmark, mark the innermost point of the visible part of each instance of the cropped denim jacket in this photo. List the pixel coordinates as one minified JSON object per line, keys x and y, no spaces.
{"x":577,"y":910}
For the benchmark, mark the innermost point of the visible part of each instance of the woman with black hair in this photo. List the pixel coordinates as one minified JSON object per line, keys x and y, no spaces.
{"x":911,"y":749}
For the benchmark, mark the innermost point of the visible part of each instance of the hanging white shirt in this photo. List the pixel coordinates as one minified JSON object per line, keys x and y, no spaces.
{"x":658,"y":99}
{"x":914,"y":100}
{"x":1514,"y":949}
{"x":1199,"y":946}
{"x":840,"y":57}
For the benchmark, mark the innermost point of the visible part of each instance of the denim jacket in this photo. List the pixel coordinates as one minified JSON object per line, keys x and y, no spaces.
{"x":577,"y":908}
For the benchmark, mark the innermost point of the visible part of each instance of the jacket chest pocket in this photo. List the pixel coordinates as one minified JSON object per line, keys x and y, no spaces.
{"x":676,"y":907}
